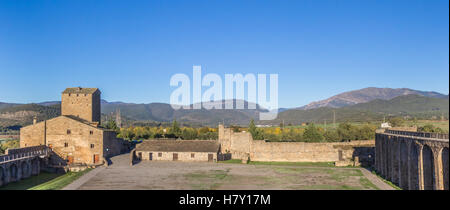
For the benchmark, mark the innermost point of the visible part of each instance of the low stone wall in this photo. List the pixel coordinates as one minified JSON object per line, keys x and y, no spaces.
{"x":310,"y":152}
{"x":242,"y":146}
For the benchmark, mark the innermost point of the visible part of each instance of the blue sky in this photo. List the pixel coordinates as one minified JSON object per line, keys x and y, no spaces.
{"x":130,"y":49}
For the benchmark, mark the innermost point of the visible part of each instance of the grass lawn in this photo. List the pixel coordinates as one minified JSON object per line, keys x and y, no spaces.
{"x":321,"y":164}
{"x":45,"y":181}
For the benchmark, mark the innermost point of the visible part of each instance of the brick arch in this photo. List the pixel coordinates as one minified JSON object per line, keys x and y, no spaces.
{"x":403,"y":176}
{"x":428,"y":168}
{"x":444,"y":156}
{"x":414,"y":166}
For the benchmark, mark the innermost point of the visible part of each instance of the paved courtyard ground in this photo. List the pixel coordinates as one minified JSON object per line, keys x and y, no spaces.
{"x":152,"y":175}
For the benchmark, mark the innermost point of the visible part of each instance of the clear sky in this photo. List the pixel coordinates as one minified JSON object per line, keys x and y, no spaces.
{"x":130,"y":49}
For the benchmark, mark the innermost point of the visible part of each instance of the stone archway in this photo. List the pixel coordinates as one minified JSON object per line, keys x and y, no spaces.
{"x":13,"y":170}
{"x":2,"y":176}
{"x":403,"y":176}
{"x":444,"y":156}
{"x":428,"y":168}
{"x":35,"y":166}
{"x":413,"y":167}
{"x":25,"y":169}
{"x":395,"y":161}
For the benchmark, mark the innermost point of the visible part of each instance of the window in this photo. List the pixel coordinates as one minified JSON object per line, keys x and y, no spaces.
{"x":192,"y":155}
{"x":66,"y":144}
{"x":68,"y":131}
{"x":91,"y":132}
{"x":92,"y":146}
{"x":160,"y":154}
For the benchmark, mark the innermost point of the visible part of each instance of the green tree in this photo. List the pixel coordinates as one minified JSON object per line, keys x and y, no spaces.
{"x":331,"y":135}
{"x":396,"y":121}
{"x":111,"y":124}
{"x":175,"y":129}
{"x":252,"y":129}
{"x":312,"y":134}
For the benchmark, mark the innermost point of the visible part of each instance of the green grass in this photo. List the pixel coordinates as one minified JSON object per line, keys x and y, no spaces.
{"x":45,"y":181}
{"x":207,"y":180}
{"x":61,"y":181}
{"x":319,"y":164}
{"x":231,"y":161}
{"x":31,"y":182}
{"x":386,"y":181}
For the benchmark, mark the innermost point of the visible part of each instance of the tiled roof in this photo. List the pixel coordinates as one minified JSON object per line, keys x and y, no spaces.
{"x":80,"y":90}
{"x":179,"y":146}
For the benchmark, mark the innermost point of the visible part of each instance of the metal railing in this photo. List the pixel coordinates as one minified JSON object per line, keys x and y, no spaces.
{"x":22,"y":153}
{"x":418,"y":134}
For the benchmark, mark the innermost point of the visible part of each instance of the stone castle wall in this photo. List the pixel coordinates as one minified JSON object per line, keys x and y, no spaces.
{"x":241,"y":145}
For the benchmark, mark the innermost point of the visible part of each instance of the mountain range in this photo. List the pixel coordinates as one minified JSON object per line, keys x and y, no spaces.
{"x":360,"y":105}
{"x":367,"y":94}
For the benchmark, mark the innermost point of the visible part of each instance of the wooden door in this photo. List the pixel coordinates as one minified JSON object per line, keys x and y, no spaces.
{"x":175,"y":156}
{"x":210,"y":157}
{"x":96,"y":158}
{"x":69,"y":159}
{"x":150,"y":156}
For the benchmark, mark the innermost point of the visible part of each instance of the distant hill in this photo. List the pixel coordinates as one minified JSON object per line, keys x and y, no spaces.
{"x":164,"y":112}
{"x":408,"y":105}
{"x":349,"y":106}
{"x":21,"y":115}
{"x":367,"y":94}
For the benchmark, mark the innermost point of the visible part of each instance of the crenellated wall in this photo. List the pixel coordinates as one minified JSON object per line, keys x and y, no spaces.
{"x":413,"y":160}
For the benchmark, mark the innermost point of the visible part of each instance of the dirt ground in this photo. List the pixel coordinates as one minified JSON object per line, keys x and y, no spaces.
{"x":148,"y":175}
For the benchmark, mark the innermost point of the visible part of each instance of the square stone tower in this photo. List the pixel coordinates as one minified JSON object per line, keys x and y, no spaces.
{"x":83,"y":103}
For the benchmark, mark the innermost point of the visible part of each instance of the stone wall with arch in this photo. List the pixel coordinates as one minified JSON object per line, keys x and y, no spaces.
{"x":412,"y":160}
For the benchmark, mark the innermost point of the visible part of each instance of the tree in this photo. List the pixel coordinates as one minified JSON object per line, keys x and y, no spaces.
{"x":175,"y":129}
{"x":252,"y":129}
{"x":312,"y":134}
{"x":111,"y":124}
{"x":396,"y":121}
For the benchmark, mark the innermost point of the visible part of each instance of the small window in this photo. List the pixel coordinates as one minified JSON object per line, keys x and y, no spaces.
{"x":91,"y":132}
{"x":160,"y":154}
{"x":68,"y":131}
{"x":92,"y":146}
{"x":66,"y":144}
{"x":192,"y":155}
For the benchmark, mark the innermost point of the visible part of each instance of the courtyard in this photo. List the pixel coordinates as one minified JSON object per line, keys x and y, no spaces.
{"x":168,"y":175}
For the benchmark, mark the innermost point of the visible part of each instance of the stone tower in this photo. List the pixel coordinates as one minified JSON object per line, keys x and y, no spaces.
{"x":83,"y":103}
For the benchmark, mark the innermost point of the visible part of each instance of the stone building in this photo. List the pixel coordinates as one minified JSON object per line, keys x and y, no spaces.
{"x":178,"y":150}
{"x":76,"y":135}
